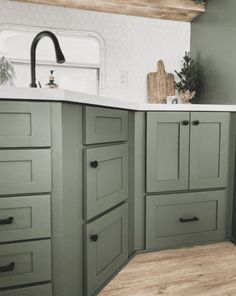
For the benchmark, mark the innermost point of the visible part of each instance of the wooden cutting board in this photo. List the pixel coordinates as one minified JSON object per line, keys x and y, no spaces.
{"x":160,"y":84}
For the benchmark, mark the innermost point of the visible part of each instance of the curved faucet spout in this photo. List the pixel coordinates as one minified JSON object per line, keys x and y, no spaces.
{"x":59,"y":55}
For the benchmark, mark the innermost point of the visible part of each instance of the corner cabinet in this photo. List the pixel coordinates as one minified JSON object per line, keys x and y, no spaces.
{"x":73,"y":202}
{"x":187,"y":150}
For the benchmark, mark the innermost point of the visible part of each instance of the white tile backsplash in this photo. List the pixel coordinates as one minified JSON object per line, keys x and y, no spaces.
{"x":133,"y":44}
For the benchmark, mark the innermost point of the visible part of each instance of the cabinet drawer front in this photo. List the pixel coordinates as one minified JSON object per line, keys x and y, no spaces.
{"x":167,"y":151}
{"x":24,"y":124}
{"x":209,"y":148}
{"x":25,"y":171}
{"x":25,"y":263}
{"x":105,"y":125}
{"x":184,"y":218}
{"x":110,"y":251}
{"x":25,"y":217}
{"x":43,"y":290}
{"x":107,"y":184}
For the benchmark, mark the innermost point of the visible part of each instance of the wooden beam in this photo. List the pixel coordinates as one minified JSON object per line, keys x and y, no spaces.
{"x":180,"y":10}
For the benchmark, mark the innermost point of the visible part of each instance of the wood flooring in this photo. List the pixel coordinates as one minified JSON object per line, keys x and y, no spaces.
{"x":208,"y":270}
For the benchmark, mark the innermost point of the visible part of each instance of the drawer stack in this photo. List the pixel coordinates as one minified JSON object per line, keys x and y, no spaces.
{"x":25,"y":186}
{"x":106,"y":194}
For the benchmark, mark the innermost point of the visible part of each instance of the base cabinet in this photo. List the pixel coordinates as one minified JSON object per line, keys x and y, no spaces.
{"x":187,"y":150}
{"x":184,"y":219}
{"x":106,"y":245}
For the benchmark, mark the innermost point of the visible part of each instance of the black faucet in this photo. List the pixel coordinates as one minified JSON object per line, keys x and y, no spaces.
{"x":59,"y":55}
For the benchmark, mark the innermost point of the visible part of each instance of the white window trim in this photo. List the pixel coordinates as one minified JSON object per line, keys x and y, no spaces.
{"x":100,"y":67}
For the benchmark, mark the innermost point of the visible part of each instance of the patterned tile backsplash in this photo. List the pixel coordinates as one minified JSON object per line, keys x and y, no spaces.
{"x":133,"y":44}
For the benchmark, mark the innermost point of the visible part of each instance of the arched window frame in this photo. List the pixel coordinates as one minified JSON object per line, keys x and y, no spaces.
{"x":70,"y":33}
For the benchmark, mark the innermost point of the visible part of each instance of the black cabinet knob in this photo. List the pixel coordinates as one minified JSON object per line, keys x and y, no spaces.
{"x":196,"y":122}
{"x":94,"y":164}
{"x":94,"y":237}
{"x":185,"y":122}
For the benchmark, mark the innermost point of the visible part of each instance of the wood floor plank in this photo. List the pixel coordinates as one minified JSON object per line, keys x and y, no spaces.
{"x":208,"y":270}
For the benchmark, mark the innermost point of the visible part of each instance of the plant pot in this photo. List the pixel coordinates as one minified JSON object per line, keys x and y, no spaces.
{"x":186,"y":96}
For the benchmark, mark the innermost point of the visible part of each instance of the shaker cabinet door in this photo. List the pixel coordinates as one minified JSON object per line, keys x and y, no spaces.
{"x":25,"y":171}
{"x":106,"y":178}
{"x":25,"y":124}
{"x":184,"y":218}
{"x":25,"y":263}
{"x":209,"y":146}
{"x":103,"y":125}
{"x":106,"y":248}
{"x":167,"y":151}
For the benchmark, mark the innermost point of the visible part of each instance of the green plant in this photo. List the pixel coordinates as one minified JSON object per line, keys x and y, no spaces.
{"x":7,"y":73}
{"x":188,"y":75}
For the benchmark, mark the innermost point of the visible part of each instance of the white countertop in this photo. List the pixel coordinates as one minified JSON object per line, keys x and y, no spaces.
{"x":61,"y":95}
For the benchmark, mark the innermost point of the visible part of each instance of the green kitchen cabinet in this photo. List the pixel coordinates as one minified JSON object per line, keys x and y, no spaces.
{"x":106,"y":247}
{"x":25,"y":171}
{"x":167,"y":151}
{"x":72,"y":178}
{"x":187,"y":150}
{"x":184,"y":219}
{"x":209,"y":146}
{"x":103,"y":125}
{"x":25,"y":263}
{"x":24,"y":124}
{"x":106,"y":178}
{"x":25,"y":217}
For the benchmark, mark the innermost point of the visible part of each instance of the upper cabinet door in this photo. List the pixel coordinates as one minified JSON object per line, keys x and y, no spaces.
{"x":103,"y":125}
{"x":209,"y":146}
{"x":24,"y":124}
{"x":167,"y":151}
{"x":106,"y":178}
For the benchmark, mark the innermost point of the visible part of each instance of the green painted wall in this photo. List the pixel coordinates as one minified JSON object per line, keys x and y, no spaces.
{"x":213,"y":44}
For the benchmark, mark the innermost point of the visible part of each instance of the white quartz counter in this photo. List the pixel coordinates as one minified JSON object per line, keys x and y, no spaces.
{"x":60,"y":95}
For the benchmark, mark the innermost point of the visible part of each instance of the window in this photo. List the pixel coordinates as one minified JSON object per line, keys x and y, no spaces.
{"x":84,"y":53}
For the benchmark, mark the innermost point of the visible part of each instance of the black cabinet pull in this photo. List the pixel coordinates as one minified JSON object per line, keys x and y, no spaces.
{"x":185,"y":122}
{"x":94,"y":237}
{"x":6,"y":221}
{"x":196,"y":122}
{"x":94,"y":164}
{"x":194,"y":219}
{"x":7,"y":268}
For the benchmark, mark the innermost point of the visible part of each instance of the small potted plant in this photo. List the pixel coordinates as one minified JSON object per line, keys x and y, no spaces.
{"x":188,"y":79}
{"x":7,"y":73}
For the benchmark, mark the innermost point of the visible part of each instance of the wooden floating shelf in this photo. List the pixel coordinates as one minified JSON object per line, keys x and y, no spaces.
{"x":178,"y":10}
